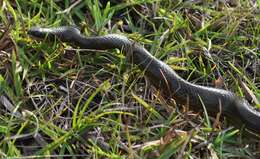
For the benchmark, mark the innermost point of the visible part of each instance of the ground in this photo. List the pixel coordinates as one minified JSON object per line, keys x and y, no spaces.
{"x":60,"y":101}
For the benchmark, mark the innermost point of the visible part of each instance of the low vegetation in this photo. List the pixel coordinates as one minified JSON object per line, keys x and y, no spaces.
{"x":60,"y":101}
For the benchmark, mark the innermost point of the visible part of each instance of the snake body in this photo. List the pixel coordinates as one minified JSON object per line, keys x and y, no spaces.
{"x":163,"y":77}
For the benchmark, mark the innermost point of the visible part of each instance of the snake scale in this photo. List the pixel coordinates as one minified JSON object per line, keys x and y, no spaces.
{"x":162,"y":76}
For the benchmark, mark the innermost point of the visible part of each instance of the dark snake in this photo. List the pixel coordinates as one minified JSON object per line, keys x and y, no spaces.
{"x":163,"y":77}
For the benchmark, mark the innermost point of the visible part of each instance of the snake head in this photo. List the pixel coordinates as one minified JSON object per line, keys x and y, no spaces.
{"x":65,"y":33}
{"x":40,"y":33}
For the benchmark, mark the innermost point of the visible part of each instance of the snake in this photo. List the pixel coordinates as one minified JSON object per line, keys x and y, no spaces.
{"x":199,"y":98}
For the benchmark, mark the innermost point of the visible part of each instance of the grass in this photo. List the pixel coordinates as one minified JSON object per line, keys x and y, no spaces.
{"x":59,"y":102}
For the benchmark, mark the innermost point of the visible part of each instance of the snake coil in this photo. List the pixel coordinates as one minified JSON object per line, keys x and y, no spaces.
{"x":236,"y":109}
